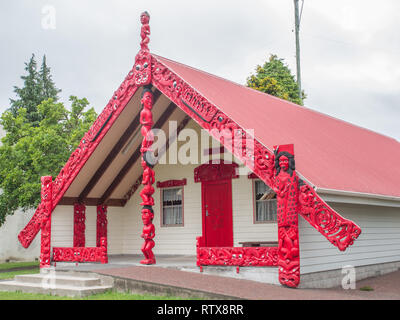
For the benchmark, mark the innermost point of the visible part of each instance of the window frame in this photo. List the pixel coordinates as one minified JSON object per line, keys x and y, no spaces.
{"x":167,"y":185}
{"x":254,"y":180}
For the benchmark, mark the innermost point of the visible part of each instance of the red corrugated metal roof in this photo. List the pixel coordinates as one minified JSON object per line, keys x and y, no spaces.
{"x":330,"y":153}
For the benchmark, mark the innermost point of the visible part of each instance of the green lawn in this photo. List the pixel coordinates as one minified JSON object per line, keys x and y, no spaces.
{"x":12,"y":265}
{"x":11,"y":274}
{"x":109,"y":295}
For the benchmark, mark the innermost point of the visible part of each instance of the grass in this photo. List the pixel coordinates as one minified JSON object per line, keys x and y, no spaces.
{"x":13,"y":265}
{"x":9,"y":270}
{"x":366,"y":288}
{"x":12,"y":274}
{"x":108,"y":295}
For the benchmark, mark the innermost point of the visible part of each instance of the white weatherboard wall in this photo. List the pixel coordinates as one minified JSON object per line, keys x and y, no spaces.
{"x":378,"y":243}
{"x":62,"y":228}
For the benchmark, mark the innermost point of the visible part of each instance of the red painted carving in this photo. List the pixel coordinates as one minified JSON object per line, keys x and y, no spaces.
{"x":148,"y":178}
{"x":101,"y":224}
{"x":79,"y":157}
{"x":338,"y":230}
{"x":82,"y":254}
{"x":215,"y":171}
{"x":45,"y":243}
{"x":143,"y":58}
{"x":286,"y":187}
{"x":148,"y":234}
{"x":236,"y":256}
{"x":171,"y":183}
{"x":79,"y":224}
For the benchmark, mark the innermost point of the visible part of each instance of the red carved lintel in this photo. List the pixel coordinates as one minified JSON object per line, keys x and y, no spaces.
{"x":79,"y":224}
{"x":236,"y":256}
{"x":46,"y":207}
{"x":171,"y":183}
{"x":216,"y":171}
{"x":82,"y":254}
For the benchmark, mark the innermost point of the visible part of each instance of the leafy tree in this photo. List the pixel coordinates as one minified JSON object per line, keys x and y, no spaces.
{"x":38,"y":86}
{"x":275,"y":78}
{"x":31,"y":150}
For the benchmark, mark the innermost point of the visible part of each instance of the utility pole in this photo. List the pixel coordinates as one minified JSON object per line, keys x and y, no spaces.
{"x":297,"y":28}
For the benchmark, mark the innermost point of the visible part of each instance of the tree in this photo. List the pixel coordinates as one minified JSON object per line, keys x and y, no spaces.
{"x":32,"y":150}
{"x":38,"y":86}
{"x":48,"y":87}
{"x":275,"y":78}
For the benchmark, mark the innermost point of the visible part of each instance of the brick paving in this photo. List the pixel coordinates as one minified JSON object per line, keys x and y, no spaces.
{"x":385,"y":287}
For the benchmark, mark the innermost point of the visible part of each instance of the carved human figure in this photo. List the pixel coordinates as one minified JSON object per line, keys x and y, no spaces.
{"x":146,"y":119}
{"x":145,"y":30}
{"x":148,"y":173}
{"x":286,"y":187}
{"x":148,"y":234}
{"x":146,"y":195}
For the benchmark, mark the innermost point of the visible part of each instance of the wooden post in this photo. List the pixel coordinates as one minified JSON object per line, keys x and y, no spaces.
{"x":46,"y":207}
{"x":286,"y":187}
{"x":79,"y":225}
{"x":101,"y":224}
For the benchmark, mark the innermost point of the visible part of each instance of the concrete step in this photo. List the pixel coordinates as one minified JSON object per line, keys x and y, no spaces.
{"x":72,"y":284}
{"x":53,"y":279}
{"x":59,"y":290}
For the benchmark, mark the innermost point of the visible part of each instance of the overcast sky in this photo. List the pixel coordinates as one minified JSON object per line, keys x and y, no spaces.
{"x":350,"y":50}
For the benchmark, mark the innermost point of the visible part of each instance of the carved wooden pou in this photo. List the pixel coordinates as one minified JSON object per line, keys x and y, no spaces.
{"x":143,"y":78}
{"x":286,"y":187}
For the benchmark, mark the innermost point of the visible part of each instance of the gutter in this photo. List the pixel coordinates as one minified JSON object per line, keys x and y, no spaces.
{"x":352,"y":197}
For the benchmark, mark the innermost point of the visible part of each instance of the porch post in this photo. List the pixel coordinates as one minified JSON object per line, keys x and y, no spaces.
{"x":101,"y":224}
{"x":46,"y":207}
{"x":286,"y":186}
{"x":142,"y":78}
{"x":146,"y":119}
{"x":79,"y":225}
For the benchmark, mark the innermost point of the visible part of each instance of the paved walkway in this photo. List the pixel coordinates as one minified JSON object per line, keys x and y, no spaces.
{"x":385,"y":287}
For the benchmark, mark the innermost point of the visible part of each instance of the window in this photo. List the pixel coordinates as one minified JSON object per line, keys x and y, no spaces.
{"x":172,"y":209}
{"x":265,"y":202}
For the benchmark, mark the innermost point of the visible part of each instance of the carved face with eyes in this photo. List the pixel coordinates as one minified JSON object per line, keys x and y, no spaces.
{"x":147,"y":216}
{"x":142,"y":68}
{"x":145,"y":18}
{"x":284,"y":163}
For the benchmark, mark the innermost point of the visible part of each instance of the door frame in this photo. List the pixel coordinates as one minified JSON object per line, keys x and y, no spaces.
{"x":215,"y":173}
{"x":229,"y":227}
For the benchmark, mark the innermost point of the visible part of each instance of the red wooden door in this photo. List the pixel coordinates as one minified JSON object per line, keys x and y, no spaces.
{"x":217,"y":213}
